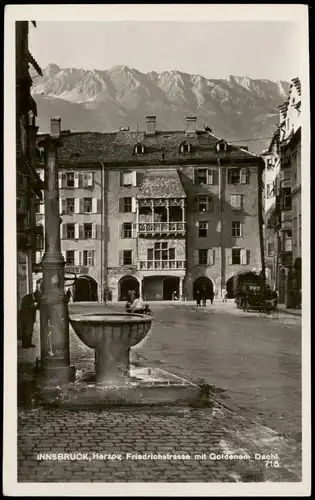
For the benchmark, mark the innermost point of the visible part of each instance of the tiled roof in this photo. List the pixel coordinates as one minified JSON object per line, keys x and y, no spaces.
{"x":164,"y":147}
{"x":158,"y":184}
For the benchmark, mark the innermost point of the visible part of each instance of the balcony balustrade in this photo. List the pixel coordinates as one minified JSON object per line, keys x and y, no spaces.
{"x":146,"y":265}
{"x":149,"y":228}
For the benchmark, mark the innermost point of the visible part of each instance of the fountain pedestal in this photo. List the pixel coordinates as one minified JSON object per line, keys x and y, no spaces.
{"x":112,"y":336}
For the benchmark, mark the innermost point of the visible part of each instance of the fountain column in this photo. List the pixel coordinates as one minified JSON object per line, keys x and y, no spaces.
{"x":54,"y":316}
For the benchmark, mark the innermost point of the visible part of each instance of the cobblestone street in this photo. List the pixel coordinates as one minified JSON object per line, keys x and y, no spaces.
{"x":252,"y":362}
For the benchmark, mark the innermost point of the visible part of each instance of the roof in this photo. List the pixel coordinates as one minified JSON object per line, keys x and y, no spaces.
{"x":162,"y":147}
{"x":159,"y":184}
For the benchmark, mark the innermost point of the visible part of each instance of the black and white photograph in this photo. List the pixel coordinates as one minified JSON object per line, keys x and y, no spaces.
{"x":156,"y":235}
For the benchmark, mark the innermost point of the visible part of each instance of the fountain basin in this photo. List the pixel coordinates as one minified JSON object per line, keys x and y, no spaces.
{"x":112,"y":336}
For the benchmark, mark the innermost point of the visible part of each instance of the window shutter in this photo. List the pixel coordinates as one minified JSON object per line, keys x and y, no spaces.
{"x":121,"y":257}
{"x":76,"y":179}
{"x":121,"y":204}
{"x":42,"y":208}
{"x":243,"y":256}
{"x":210,"y":203}
{"x":210,"y":176}
{"x":60,"y":180}
{"x":133,"y":204}
{"x":77,"y":257}
{"x":229,"y":255}
{"x":93,"y":231}
{"x":63,"y":179}
{"x":133,"y":257}
{"x":229,"y":172}
{"x":77,"y":205}
{"x":64,"y":254}
{"x":196,"y":257}
{"x":63,"y":231}
{"x":134,"y":178}
{"x":121,"y":231}
{"x":210,"y":257}
{"x":121,"y":178}
{"x":80,"y":252}
{"x":134,"y":230}
{"x":76,"y":231}
{"x":94,"y":205}
{"x":81,"y":205}
{"x":247,"y":256}
{"x":241,"y":230}
{"x":81,"y":231}
{"x":243,"y":176}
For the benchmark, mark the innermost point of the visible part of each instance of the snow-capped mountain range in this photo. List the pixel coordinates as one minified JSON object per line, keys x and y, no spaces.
{"x":236,"y":108}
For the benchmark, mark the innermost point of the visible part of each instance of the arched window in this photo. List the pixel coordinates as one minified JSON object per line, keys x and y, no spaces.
{"x":185,"y":147}
{"x":139,"y":149}
{"x":221,"y":146}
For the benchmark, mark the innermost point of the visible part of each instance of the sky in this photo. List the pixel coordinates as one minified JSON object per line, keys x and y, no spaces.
{"x":266,"y":50}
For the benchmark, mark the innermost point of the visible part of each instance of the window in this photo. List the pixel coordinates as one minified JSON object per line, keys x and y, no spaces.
{"x":70,"y":257}
{"x":203,"y":229}
{"x":203,"y":257}
{"x":69,"y":206}
{"x":88,"y":258}
{"x":236,"y":201}
{"x":287,"y":241}
{"x":221,"y":146}
{"x":39,"y":241}
{"x":161,"y":252}
{"x":127,"y":257}
{"x":287,"y":198}
{"x":185,"y":147}
{"x":204,"y":176}
{"x":271,"y":249}
{"x":139,"y":149}
{"x":70,"y":180}
{"x":126,"y":230}
{"x":236,"y":229}
{"x":236,"y":256}
{"x":87,"y":205}
{"x":204,"y":203}
{"x":87,"y":228}
{"x":87,"y":179}
{"x":127,"y":205}
{"x":237,"y":176}
{"x":127,"y":179}
{"x":201,"y":177}
{"x":70,"y":232}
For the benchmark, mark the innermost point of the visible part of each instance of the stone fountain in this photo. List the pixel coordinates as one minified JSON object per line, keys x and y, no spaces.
{"x":112,"y":336}
{"x":116,"y":381}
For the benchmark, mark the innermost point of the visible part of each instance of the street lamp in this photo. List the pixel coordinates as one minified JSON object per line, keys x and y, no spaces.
{"x":54,"y":321}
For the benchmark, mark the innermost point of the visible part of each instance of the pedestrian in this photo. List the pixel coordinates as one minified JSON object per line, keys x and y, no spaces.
{"x":211,"y":296}
{"x":174,"y":295}
{"x":69,"y":294}
{"x":204,"y":296}
{"x":198,"y":298}
{"x":29,"y":306}
{"x":131,"y":295}
{"x":224,"y":294}
{"x":138,"y":305}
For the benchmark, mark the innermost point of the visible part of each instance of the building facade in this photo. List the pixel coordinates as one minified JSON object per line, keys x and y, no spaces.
{"x":28,"y":184}
{"x":159,"y":212}
{"x":283,"y":220}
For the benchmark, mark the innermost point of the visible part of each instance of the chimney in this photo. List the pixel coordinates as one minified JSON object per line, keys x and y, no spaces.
{"x":191,"y":122}
{"x":150,"y":122}
{"x":55,"y":127}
